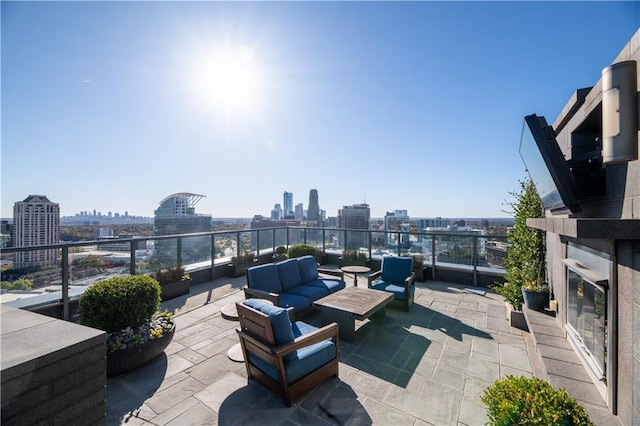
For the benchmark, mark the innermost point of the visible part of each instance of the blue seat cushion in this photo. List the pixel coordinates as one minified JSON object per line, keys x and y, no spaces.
{"x":265,"y":278}
{"x":303,"y":361}
{"x":308,"y":268}
{"x":279,"y":318}
{"x":332,"y":285}
{"x":396,"y":269}
{"x":397,"y":290}
{"x":289,"y":274}
{"x":299,"y":303}
{"x":308,"y":291}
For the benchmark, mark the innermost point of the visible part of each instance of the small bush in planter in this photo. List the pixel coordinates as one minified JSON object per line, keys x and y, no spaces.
{"x":531,"y":401}
{"x":281,"y":253}
{"x":172,"y":275}
{"x":119,"y":302}
{"x":299,"y":250}
{"x":246,"y":257}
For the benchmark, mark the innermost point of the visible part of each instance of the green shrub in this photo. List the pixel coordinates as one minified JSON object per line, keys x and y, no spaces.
{"x":172,"y":275}
{"x":281,"y":250}
{"x":511,"y":293}
{"x":19,"y":284}
{"x":531,"y":401}
{"x":299,"y":250}
{"x":119,"y":302}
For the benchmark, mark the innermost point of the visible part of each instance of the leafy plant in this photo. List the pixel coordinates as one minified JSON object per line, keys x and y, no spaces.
{"x":172,"y":275}
{"x":531,"y":401}
{"x":354,"y":255}
{"x":511,"y":294}
{"x":155,"y":328}
{"x":19,"y":284}
{"x":536,"y":285}
{"x":119,"y":302}
{"x":299,"y":250}
{"x":281,"y":250}
{"x":246,"y":257}
{"x":525,"y":259}
{"x":418,"y":261}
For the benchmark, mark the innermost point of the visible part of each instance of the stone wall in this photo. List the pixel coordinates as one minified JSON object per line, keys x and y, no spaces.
{"x":53,"y":372}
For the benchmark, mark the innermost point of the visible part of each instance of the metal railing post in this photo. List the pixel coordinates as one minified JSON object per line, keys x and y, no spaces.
{"x":474,"y":260}
{"x":274,"y":241}
{"x":305,"y":235}
{"x":238,"y":243}
{"x":288,"y":239}
{"x":65,"y":283}
{"x":433,"y":257}
{"x":324,"y":242}
{"x":370,"y":242}
{"x":179,"y":253}
{"x":213,"y":254}
{"x":132,"y":260}
{"x":258,"y":243}
{"x":399,"y":245}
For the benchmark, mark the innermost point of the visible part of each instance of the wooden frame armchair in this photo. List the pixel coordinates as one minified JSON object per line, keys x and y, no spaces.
{"x":396,"y":276}
{"x":290,"y":358}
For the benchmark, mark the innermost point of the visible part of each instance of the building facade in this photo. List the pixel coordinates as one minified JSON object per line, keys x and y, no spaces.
{"x":593,"y":244}
{"x":354,"y":217}
{"x":287,"y":202}
{"x":36,"y":222}
{"x":313,"y":211}
{"x":176,"y":215}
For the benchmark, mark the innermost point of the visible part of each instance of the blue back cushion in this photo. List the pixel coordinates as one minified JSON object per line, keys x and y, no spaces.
{"x":279,"y":318}
{"x":308,"y":268}
{"x":289,"y":274}
{"x":396,"y":269}
{"x":265,"y":278}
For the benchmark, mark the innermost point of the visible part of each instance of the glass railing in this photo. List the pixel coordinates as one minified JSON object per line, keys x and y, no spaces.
{"x":59,"y":273}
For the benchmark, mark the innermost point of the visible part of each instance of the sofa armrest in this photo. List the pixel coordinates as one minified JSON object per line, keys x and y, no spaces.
{"x":260,"y":294}
{"x":329,"y":331}
{"x":409,"y":281}
{"x":333,"y":272}
{"x":372,"y":277}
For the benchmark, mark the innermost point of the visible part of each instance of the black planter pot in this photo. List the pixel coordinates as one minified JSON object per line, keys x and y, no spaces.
{"x":173,"y":290}
{"x":124,"y":360}
{"x":536,"y":300}
{"x":419,"y":275}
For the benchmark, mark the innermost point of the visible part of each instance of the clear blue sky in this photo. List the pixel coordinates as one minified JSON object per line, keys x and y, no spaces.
{"x":415,"y":105}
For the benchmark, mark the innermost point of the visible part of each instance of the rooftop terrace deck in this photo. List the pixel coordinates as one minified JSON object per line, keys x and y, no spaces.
{"x":427,"y":366}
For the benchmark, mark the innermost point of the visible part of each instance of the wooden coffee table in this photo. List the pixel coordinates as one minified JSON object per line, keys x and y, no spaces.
{"x":350,"y":304}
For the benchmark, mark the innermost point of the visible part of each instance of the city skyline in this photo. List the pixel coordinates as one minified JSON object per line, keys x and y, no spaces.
{"x":114,"y":105}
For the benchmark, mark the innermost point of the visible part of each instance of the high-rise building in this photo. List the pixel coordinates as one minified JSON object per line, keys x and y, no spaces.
{"x":314,"y":208}
{"x":394,"y":221}
{"x":176,"y":215}
{"x":276,"y":212}
{"x":36,"y":222}
{"x":298,"y":214}
{"x":354,"y":217}
{"x":287,"y":201}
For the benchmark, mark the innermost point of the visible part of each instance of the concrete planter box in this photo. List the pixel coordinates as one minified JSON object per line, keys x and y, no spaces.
{"x":175,"y":289}
{"x":536,"y":300}
{"x":516,"y":318}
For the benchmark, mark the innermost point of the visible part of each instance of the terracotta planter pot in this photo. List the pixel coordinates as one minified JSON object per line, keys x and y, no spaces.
{"x":121,"y":361}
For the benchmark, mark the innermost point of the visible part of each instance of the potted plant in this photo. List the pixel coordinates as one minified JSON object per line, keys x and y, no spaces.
{"x":173,"y":282}
{"x":531,"y":401}
{"x":239,"y":264}
{"x":526,"y":252}
{"x":281,"y":254}
{"x":535,"y":294}
{"x":418,"y":267}
{"x":299,"y":250}
{"x":127,"y":309}
{"x":352,"y":257}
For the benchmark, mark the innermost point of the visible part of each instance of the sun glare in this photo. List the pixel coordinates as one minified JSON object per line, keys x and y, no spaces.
{"x":229,"y":79}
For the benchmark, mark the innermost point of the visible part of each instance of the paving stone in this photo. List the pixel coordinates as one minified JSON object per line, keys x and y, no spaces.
{"x":440,"y":404}
{"x":195,"y":416}
{"x":452,"y":378}
{"x":407,"y":394}
{"x":167,"y":398}
{"x":514,"y":357}
{"x":176,"y":364}
{"x":365,"y":385}
{"x":374,"y":412}
{"x":171,"y":413}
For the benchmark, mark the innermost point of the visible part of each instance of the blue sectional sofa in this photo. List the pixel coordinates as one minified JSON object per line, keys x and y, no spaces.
{"x":294,"y":283}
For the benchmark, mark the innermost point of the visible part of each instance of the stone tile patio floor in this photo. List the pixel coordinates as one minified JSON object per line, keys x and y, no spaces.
{"x":428,"y":366}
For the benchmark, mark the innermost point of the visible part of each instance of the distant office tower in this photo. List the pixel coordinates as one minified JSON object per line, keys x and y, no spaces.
{"x":276,"y":212}
{"x":36,"y":222}
{"x":287,"y":200}
{"x":354,"y":217}
{"x":176,"y":215}
{"x":298,"y":214}
{"x":393,"y":221}
{"x":313,"y":212}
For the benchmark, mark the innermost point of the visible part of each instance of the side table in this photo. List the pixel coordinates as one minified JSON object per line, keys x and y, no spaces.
{"x":355,"y":270}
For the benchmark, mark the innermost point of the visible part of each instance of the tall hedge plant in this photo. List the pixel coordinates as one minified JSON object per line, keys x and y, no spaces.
{"x":526,"y":255}
{"x":525,"y":261}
